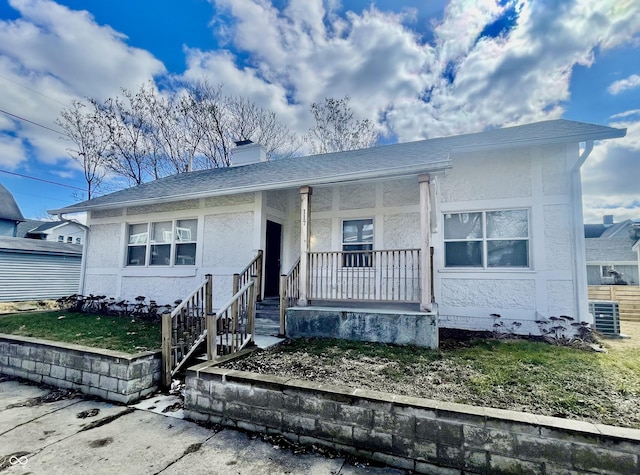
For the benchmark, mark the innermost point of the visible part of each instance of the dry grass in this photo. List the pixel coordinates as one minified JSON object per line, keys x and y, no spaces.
{"x":518,"y":374}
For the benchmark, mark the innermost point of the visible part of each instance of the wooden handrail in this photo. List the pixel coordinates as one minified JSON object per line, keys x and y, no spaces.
{"x":289,"y":293}
{"x":231,"y":328}
{"x":184,"y":330}
{"x":254,"y":267}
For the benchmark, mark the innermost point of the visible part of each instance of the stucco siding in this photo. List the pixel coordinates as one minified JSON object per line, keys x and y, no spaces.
{"x":401,"y":231}
{"x":229,"y":200}
{"x":163,"y":207}
{"x":162,"y":289}
{"x":102,"y":284}
{"x":321,"y":235}
{"x":321,"y":200}
{"x":228,"y":239}
{"x":401,"y":192}
{"x":277,"y":200}
{"x":561,"y":298}
{"x":489,"y":293}
{"x":557,"y":237}
{"x":357,"y":196}
{"x":105,"y":246}
{"x":555,"y":174}
{"x":483,"y":176}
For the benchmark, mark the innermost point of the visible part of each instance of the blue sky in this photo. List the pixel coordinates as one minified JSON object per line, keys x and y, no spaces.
{"x":418,"y":68}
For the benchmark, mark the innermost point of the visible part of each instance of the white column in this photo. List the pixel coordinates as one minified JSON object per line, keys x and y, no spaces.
{"x":425,"y":244}
{"x":305,"y":234}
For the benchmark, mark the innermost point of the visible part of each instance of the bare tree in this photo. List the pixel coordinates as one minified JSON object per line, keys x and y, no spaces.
{"x":126,"y":120}
{"x":252,"y":122}
{"x":149,"y":134}
{"x":91,"y":143}
{"x":336,"y":128}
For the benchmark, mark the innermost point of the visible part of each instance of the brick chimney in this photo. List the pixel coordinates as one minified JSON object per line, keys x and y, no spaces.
{"x":247,"y":152}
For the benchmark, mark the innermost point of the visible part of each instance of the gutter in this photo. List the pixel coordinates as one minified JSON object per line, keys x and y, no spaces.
{"x":579,"y":253}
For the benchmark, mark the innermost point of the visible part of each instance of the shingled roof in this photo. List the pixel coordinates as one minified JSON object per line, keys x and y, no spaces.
{"x":9,"y":209}
{"x":384,"y":161}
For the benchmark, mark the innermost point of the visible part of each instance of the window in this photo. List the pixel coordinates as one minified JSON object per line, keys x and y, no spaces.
{"x":170,"y":242}
{"x":70,"y":239}
{"x":60,"y":238}
{"x":78,"y":240}
{"x":487,"y":239}
{"x":357,"y":235}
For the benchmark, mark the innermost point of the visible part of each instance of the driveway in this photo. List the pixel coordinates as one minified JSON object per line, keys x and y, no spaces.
{"x":44,"y":431}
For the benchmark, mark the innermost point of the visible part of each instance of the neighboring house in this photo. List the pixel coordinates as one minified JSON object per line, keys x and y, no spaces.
{"x":611,"y":258}
{"x":10,"y":215}
{"x":65,"y":231}
{"x":33,"y":269}
{"x":500,"y":211}
{"x":38,"y":270}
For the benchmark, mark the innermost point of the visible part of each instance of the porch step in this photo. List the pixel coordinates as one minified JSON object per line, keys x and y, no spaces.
{"x":267,"y":326}
{"x":268,"y":317}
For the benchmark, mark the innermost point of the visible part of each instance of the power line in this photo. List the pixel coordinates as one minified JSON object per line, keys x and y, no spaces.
{"x":41,"y":179}
{"x":32,"y":122}
{"x":32,"y":90}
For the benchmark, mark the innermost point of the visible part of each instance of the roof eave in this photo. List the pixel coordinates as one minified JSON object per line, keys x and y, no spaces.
{"x":609,"y":133}
{"x":342,"y":178}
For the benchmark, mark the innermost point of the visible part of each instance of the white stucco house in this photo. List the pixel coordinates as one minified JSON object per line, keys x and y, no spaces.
{"x":465,"y":226}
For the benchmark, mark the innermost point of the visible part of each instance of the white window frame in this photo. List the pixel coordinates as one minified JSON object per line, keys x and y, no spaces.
{"x":364,"y":262}
{"x":143,"y":239}
{"x":484,"y":240}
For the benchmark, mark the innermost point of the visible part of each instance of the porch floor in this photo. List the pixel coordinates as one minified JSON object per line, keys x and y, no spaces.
{"x":382,"y":307}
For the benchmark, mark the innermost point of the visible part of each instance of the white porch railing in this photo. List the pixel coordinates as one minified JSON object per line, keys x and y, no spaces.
{"x":383,"y":276}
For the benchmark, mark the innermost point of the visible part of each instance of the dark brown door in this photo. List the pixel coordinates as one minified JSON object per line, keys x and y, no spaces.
{"x":272,"y":259}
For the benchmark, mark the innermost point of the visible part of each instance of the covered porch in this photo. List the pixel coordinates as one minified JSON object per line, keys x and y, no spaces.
{"x":360,"y":292}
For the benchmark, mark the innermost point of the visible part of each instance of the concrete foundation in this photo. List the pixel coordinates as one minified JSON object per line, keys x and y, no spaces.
{"x":382,"y":326}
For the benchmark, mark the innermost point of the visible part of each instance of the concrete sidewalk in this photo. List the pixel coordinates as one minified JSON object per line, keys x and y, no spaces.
{"x":81,"y":436}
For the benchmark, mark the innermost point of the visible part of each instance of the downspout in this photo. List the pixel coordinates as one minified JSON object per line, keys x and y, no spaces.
{"x":85,"y":246}
{"x":580,"y":267}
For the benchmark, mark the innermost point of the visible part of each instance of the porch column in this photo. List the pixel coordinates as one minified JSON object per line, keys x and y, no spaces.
{"x":425,"y":244}
{"x":305,"y":233}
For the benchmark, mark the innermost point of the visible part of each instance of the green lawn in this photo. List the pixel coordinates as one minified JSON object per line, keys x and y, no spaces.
{"x":114,"y":333}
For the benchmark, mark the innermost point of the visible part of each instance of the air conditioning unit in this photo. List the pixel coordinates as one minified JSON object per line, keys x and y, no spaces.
{"x":607,"y":316}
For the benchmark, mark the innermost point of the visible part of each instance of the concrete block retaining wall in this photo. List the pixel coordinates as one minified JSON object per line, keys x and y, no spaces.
{"x":111,"y":375}
{"x":411,"y":433}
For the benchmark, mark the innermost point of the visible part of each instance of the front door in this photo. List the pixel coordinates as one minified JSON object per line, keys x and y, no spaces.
{"x":272,"y":259}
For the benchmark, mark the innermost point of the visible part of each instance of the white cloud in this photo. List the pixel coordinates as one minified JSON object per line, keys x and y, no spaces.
{"x":52,"y":55}
{"x":610,"y":177}
{"x":11,"y":151}
{"x":622,"y":115}
{"x":456,"y":82}
{"x":622,"y":85}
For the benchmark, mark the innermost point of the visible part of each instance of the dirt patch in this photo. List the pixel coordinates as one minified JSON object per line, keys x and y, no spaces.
{"x":30,"y":306}
{"x":55,"y":394}
{"x":520,"y":375}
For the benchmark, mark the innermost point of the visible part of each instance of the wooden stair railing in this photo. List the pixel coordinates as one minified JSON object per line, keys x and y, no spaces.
{"x":289,"y":293}
{"x":184,"y":329}
{"x":253,"y":268}
{"x":231,"y":328}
